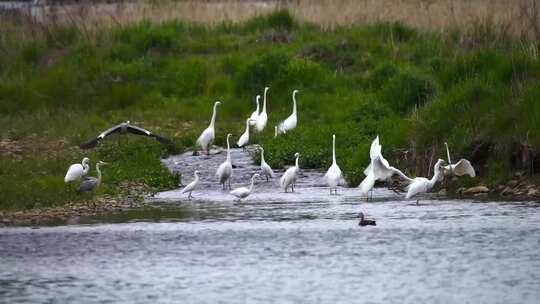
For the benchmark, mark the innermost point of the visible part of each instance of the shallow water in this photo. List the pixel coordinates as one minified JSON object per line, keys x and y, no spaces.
{"x":304,"y":248}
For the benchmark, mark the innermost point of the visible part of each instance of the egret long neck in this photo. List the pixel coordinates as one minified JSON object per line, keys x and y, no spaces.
{"x":436,"y":173}
{"x":252,"y":181}
{"x":98,"y":175}
{"x":262,"y":156}
{"x":333,"y":150}
{"x":228,"y":150}
{"x":247,"y":126}
{"x":297,"y":168}
{"x":448,"y":154}
{"x":257,"y":110}
{"x":264,"y":101}
{"x":213,"y":121}
{"x":294,"y":103}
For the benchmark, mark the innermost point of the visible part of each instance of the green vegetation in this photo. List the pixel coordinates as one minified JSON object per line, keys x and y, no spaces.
{"x":414,"y":89}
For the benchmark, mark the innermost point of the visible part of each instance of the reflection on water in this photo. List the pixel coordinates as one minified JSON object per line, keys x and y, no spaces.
{"x":302,"y":251}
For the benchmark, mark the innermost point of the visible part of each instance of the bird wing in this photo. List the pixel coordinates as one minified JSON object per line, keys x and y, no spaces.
{"x":88,"y":184}
{"x":111,"y":130}
{"x":75,"y":171}
{"x":138,"y":130}
{"x":375,"y":149}
{"x":463,"y":167}
{"x":383,"y":171}
{"x":163,"y":140}
{"x":366,"y":185}
{"x":240,"y":192}
{"x":91,"y":144}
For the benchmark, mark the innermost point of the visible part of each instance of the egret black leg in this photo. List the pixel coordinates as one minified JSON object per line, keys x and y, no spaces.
{"x":230,"y":183}
{"x":417,"y":202}
{"x":266,"y":177}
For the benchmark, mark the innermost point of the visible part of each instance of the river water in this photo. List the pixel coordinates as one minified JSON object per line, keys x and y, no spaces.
{"x":302,"y":247}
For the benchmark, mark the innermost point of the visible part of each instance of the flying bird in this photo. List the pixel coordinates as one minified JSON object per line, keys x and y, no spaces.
{"x":124,"y":128}
{"x":77,"y":171}
{"x":206,"y":138}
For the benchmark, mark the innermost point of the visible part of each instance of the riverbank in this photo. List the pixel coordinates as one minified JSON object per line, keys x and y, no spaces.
{"x":476,"y":90}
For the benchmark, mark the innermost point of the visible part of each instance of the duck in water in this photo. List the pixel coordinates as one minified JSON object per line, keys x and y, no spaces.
{"x":365,"y":222}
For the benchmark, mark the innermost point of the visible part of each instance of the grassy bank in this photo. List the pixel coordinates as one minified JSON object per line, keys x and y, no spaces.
{"x":478,"y":89}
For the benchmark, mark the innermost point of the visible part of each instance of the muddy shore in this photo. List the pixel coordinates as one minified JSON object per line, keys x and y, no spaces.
{"x":134,"y":195}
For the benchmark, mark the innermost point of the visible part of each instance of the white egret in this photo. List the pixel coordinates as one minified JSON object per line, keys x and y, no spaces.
{"x":91,"y":183}
{"x":77,"y":171}
{"x":244,"y":139}
{"x":124,"y":128}
{"x":244,"y":192}
{"x":275,"y":131}
{"x":422,"y":184}
{"x":333,"y":175}
{"x":255,"y":113}
{"x":191,"y":186}
{"x":289,"y":123}
{"x":462,"y":167}
{"x":265,"y":168}
{"x":378,"y":169}
{"x":289,"y":177}
{"x":206,"y":138}
{"x":224,"y":171}
{"x":263,"y":117}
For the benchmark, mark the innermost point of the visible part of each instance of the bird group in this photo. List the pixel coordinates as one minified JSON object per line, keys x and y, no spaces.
{"x":377,"y":170}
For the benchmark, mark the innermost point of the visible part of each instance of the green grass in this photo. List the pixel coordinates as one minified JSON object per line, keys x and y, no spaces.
{"x":414,"y":89}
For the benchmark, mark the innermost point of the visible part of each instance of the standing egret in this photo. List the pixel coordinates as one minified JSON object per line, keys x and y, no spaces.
{"x":263,"y":117}
{"x":333,"y":175}
{"x":422,"y":184}
{"x":91,"y":183}
{"x":462,"y":167}
{"x":224,"y":171}
{"x":289,"y":123}
{"x":191,"y":186}
{"x":244,"y":139}
{"x":206,"y":138}
{"x":255,"y":114}
{"x":265,"y":168}
{"x":77,"y":171}
{"x":244,"y":192}
{"x":124,"y":128}
{"x":378,"y":169}
{"x":289,"y":177}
